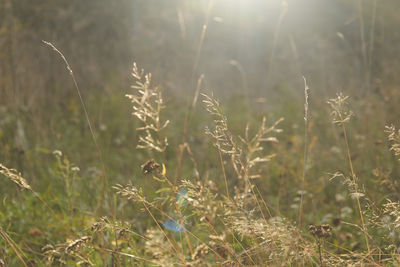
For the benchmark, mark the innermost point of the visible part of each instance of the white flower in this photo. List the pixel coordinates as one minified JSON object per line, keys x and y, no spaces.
{"x":75,"y":169}
{"x":57,"y":153}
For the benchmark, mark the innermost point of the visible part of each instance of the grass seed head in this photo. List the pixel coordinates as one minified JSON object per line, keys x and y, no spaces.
{"x":15,"y":176}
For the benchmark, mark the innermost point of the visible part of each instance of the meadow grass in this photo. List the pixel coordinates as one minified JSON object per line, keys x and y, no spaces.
{"x":274,"y":181}
{"x":204,"y":196}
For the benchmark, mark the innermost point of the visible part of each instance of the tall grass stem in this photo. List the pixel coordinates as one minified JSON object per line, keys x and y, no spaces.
{"x":306,"y":119}
{"x":100,"y":154}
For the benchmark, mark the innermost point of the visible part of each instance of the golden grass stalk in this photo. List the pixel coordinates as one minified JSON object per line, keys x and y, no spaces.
{"x":341,"y":115}
{"x":13,"y":246}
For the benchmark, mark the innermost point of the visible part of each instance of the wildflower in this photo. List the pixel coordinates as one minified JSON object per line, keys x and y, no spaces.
{"x":75,"y":169}
{"x":57,"y":153}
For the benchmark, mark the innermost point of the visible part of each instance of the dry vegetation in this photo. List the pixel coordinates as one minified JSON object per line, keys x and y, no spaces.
{"x":206,"y":182}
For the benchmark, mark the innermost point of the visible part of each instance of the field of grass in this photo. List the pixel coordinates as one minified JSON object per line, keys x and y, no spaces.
{"x":297,"y":166}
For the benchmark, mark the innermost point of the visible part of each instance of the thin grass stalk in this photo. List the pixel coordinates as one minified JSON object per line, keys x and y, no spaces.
{"x":13,"y":246}
{"x":263,"y":201}
{"x":210,"y":248}
{"x":249,"y":184}
{"x":202,"y":38}
{"x":354,"y":180}
{"x":188,"y":116}
{"x":165,"y":235}
{"x":280,"y":189}
{"x":224,"y":173}
{"x":173,"y":187}
{"x":238,"y":241}
{"x":306,"y":119}
{"x":127,"y":255}
{"x":363,"y":42}
{"x":319,"y":252}
{"x":199,"y":81}
{"x":352,"y":253}
{"x":226,"y":243}
{"x":259,"y":205}
{"x":275,"y":39}
{"x":100,"y":154}
{"x":178,"y":210}
{"x":371,"y":42}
